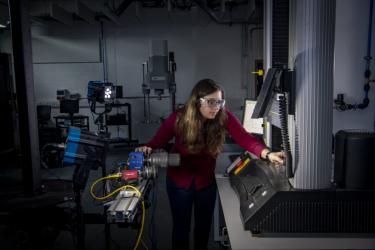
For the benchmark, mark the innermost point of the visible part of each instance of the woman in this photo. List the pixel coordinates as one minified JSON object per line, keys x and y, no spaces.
{"x":199,"y":130}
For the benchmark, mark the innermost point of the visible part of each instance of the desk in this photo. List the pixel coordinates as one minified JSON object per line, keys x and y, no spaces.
{"x":241,"y":239}
{"x":65,"y":121}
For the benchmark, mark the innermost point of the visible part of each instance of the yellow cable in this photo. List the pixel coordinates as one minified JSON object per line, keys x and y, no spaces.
{"x":134,"y":188}
{"x":142,"y":224}
{"x":117,"y":190}
{"x":114,"y":176}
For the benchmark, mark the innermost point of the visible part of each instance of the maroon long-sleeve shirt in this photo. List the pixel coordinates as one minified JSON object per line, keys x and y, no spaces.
{"x":200,"y":167}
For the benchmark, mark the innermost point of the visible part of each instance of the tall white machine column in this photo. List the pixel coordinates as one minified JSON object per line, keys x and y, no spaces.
{"x":312,"y":25}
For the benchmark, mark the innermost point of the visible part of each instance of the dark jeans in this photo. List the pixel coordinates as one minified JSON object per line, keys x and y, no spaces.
{"x":181,"y":202}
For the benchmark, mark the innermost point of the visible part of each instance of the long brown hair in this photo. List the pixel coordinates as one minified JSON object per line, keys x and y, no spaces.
{"x":196,"y":132}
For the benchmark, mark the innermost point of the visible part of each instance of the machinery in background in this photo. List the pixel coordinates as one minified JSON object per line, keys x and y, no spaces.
{"x":69,"y":109}
{"x":85,"y":151}
{"x":52,"y":134}
{"x":121,"y":115}
{"x":69,"y":103}
{"x":103,"y":93}
{"x":158,"y":74}
{"x":64,"y":94}
{"x":106,"y":93}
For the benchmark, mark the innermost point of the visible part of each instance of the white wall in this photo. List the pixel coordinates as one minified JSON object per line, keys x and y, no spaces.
{"x":350,"y":49}
{"x":202,"y":49}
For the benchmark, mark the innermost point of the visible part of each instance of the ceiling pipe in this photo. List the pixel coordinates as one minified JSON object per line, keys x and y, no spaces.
{"x":108,"y":14}
{"x":82,"y":12}
{"x":51,"y":11}
{"x":231,"y":21}
{"x":123,"y":6}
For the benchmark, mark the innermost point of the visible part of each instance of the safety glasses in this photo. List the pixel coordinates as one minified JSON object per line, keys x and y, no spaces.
{"x":212,"y":103}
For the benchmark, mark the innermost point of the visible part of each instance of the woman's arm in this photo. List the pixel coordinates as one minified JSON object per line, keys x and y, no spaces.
{"x":251,"y":143}
{"x":165,"y":133}
{"x":243,"y":138}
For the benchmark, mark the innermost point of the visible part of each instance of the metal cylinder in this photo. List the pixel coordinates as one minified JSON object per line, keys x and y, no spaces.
{"x":164,"y":159}
{"x":312,"y":27}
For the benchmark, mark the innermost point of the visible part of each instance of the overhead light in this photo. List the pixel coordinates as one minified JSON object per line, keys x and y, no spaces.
{"x":2,"y":26}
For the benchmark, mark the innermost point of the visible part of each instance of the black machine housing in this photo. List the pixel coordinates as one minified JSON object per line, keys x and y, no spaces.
{"x":354,"y":159}
{"x":271,"y":207}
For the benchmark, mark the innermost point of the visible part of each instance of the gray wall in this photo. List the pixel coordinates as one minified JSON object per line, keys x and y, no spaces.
{"x":68,"y":57}
{"x":350,"y":49}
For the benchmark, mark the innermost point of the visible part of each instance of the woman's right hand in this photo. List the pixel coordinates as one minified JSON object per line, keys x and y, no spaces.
{"x":144,"y":149}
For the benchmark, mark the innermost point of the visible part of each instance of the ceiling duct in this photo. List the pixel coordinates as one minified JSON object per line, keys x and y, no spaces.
{"x":254,"y":16}
{"x":50,"y":11}
{"x":79,"y":10}
{"x":109,"y":15}
{"x":83,"y":12}
{"x":67,"y":11}
{"x":122,"y":7}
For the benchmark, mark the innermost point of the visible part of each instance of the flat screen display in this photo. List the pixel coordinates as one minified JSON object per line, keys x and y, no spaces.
{"x":252,"y":125}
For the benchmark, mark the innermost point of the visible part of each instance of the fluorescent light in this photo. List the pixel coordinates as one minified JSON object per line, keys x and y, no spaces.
{"x":2,"y":26}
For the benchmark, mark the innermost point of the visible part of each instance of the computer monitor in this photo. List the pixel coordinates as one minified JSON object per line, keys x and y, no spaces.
{"x":265,"y":98}
{"x":254,"y":126}
{"x":69,"y":106}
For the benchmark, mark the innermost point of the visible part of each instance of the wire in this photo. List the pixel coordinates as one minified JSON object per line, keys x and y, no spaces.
{"x":114,"y":176}
{"x":143,"y":214}
{"x":138,"y":193}
{"x":142,"y":225}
